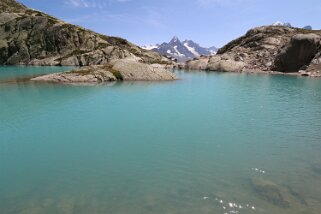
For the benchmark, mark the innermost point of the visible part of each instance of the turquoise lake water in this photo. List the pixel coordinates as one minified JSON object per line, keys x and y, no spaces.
{"x":194,"y":146}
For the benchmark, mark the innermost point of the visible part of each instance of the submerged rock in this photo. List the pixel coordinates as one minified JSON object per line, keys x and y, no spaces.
{"x":297,"y":195}
{"x":270,"y":192}
{"x":316,"y":168}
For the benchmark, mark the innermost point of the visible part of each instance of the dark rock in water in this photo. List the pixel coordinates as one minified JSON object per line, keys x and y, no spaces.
{"x":270,"y":192}
{"x":297,"y":195}
{"x":299,"y":53}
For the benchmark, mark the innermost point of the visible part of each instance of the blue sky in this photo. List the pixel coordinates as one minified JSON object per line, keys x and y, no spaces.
{"x":208,"y":22}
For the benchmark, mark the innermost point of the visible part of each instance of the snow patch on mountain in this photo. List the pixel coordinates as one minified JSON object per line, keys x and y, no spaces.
{"x":191,"y":49}
{"x":150,"y":47}
{"x":278,"y":23}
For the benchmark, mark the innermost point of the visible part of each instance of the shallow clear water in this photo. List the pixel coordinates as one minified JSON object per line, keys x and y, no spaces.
{"x":10,"y":74}
{"x":197,"y":145}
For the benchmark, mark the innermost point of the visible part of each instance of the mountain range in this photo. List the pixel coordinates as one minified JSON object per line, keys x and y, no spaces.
{"x":181,"y":50}
{"x":288,"y":24}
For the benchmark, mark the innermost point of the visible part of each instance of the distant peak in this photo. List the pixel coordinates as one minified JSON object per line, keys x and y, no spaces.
{"x":175,"y":39}
{"x":285,"y":24}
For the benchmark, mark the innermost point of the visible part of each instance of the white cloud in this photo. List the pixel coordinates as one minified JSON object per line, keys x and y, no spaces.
{"x":92,"y":3}
{"x":151,"y":17}
{"x":77,"y":3}
{"x":224,"y":2}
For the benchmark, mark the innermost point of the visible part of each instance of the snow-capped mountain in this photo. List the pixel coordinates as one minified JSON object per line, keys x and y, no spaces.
{"x":278,"y":23}
{"x":287,"y":24}
{"x":181,"y":50}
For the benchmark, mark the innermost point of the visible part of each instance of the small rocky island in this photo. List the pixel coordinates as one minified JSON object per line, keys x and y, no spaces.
{"x":268,"y":49}
{"x":119,"y":70}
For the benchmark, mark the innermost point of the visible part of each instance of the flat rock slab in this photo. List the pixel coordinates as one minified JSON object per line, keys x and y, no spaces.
{"x":120,"y":70}
{"x":131,"y":70}
{"x":90,"y":74}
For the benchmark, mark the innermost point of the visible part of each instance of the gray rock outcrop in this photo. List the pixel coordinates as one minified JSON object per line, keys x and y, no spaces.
{"x":119,"y":70}
{"x":197,"y":64}
{"x":298,"y":54}
{"x":225,"y":64}
{"x":131,"y":70}
{"x":87,"y":74}
{"x":271,"y":49}
{"x":30,"y":37}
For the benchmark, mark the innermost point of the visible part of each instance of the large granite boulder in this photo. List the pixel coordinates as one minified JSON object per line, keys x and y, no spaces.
{"x":133,"y":70}
{"x":197,"y":64}
{"x":298,"y":53}
{"x":225,"y":64}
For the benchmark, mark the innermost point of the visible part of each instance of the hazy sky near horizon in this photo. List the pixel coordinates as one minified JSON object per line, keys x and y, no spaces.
{"x":207,"y":22}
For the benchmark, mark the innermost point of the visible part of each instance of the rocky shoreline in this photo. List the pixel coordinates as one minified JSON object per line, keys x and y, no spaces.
{"x":267,"y":49}
{"x":31,"y":37}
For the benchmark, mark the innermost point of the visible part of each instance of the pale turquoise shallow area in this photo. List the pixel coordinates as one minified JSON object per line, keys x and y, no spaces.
{"x":185,"y":147}
{"x":19,"y":73}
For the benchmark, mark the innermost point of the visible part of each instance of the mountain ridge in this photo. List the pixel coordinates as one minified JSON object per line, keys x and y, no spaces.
{"x":181,"y":50}
{"x":31,"y":37}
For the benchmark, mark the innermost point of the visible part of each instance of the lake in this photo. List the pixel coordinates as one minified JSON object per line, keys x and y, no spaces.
{"x":207,"y":143}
